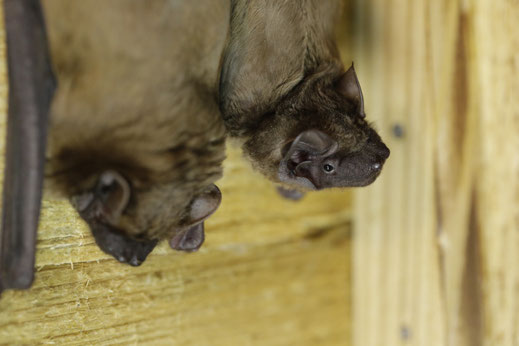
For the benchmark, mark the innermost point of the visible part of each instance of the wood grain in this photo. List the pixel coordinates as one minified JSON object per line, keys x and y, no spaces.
{"x":436,"y":237}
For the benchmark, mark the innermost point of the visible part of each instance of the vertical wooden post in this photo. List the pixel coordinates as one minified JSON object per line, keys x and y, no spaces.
{"x":496,"y":36}
{"x":435,"y":238}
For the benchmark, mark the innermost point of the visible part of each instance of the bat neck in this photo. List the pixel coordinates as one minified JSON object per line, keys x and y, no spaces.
{"x":319,"y":20}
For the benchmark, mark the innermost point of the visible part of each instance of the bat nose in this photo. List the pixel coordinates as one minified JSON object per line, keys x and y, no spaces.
{"x":381,"y":156}
{"x":384,"y":152}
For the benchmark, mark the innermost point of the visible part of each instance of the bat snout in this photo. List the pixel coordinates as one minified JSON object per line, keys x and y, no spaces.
{"x":380,"y":158}
{"x":383,"y":152}
{"x":376,"y":166}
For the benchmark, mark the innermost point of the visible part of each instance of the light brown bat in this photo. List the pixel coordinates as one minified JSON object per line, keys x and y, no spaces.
{"x":135,"y":139}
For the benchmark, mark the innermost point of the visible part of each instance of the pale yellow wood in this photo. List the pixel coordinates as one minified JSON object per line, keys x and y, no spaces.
{"x":436,"y":238}
{"x":497,"y":190}
{"x":272,"y":272}
{"x":396,"y":291}
{"x":290,"y":292}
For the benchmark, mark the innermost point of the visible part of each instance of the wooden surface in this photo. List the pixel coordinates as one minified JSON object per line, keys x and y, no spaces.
{"x":272,"y":272}
{"x":436,"y":238}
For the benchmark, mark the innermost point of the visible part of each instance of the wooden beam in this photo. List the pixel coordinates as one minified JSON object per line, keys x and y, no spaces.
{"x":434,"y":237}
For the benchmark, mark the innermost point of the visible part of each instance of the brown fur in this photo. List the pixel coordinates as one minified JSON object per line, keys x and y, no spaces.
{"x":139,"y":84}
{"x":280,"y":77}
{"x":137,"y":94}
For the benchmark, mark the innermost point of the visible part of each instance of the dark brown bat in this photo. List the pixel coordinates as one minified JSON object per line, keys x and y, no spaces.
{"x":285,"y":95}
{"x":136,"y":139}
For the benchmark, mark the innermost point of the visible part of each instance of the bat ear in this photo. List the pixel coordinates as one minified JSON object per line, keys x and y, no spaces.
{"x":310,"y":144}
{"x":107,"y":201}
{"x":349,"y":86}
{"x":189,"y":240}
{"x":192,"y":236}
{"x":307,"y":150}
{"x":205,"y":205}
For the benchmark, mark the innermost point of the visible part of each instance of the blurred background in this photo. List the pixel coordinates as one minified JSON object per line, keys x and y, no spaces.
{"x":427,"y":255}
{"x":435,"y":240}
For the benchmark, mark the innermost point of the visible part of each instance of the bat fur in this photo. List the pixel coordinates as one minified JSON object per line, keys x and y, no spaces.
{"x":146,"y":90}
{"x":285,"y":95}
{"x":135,"y":135}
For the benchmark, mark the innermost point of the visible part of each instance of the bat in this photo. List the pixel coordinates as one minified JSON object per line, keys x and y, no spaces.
{"x":136,"y":140}
{"x":285,"y":96}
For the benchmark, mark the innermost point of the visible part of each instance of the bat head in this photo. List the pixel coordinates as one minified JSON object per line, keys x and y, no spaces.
{"x":327,"y":141}
{"x":345,"y":152}
{"x":114,"y":210}
{"x":314,"y":161}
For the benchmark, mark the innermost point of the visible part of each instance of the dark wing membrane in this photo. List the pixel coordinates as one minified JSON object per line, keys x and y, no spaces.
{"x":31,"y":86}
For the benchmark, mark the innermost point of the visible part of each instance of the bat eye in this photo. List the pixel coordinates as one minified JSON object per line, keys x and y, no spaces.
{"x":328,"y":168}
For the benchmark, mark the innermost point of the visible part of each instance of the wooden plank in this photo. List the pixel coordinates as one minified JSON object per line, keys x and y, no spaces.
{"x":396,"y":270}
{"x":434,"y":237}
{"x":497,"y":191}
{"x":291,"y":292}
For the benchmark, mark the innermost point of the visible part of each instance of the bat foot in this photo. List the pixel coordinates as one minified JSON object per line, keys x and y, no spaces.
{"x":291,"y":194}
{"x":121,"y":247}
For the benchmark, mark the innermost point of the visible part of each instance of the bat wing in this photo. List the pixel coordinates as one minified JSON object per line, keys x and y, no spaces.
{"x":31,"y":86}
